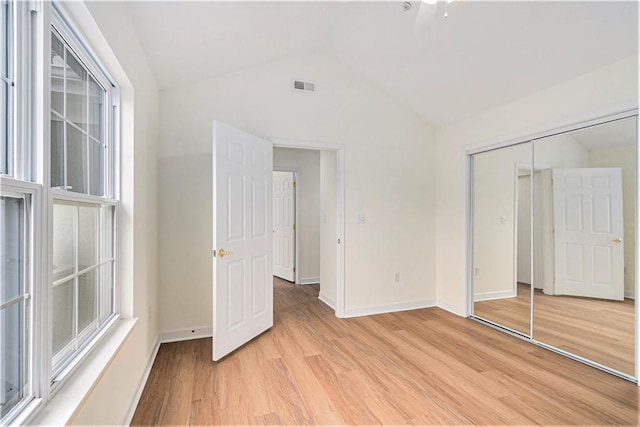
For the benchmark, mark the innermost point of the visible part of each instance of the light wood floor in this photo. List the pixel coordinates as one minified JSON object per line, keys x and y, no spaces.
{"x":425,"y":367}
{"x":599,"y":330}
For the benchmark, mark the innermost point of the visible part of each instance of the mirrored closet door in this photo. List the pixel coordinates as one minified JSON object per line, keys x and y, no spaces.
{"x":553,"y":242}
{"x":584,"y":243}
{"x":501,"y":224}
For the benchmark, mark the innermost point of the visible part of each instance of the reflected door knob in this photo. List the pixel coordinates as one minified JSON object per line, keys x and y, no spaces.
{"x":617,"y":240}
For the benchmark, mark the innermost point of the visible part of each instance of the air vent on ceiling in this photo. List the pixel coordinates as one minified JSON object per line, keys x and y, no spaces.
{"x":302,"y":86}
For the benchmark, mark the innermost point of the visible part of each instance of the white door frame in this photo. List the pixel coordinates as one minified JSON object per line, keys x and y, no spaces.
{"x":339,"y":149}
{"x":296,"y":207}
{"x":519,"y":166}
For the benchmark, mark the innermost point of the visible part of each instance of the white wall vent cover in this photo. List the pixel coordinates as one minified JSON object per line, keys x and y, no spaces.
{"x":302,"y":86}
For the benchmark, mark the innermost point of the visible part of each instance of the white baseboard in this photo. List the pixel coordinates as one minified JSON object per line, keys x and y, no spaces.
{"x":325,"y":299}
{"x":308,"y":281}
{"x":143,"y":381}
{"x":185,"y":334}
{"x":389,"y":308}
{"x":487,"y":296}
{"x":452,"y":309}
{"x":629,"y":294}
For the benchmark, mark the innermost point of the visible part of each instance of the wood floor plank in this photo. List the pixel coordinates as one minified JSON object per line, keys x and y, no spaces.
{"x":599,"y":330}
{"x":421,"y":367}
{"x":352,"y":408}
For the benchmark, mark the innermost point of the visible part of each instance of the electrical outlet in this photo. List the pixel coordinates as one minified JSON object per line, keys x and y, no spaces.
{"x":362,"y":219}
{"x":477,"y":271}
{"x":396,"y":278}
{"x":503,"y":220}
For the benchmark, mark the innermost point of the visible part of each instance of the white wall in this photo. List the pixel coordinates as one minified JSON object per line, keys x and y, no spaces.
{"x":494,"y":198}
{"x":593,"y":94}
{"x":390,"y":170}
{"x":112,"y":395}
{"x":307,"y":164}
{"x":328,"y":227}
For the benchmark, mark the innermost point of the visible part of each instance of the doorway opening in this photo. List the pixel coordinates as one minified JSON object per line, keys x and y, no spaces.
{"x":306,"y":237}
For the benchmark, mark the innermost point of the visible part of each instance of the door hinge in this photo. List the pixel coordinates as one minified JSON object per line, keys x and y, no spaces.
{"x":294,"y":269}
{"x":294,"y":227}
{"x":294,"y":184}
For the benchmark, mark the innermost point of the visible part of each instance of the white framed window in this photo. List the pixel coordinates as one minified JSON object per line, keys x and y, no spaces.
{"x":83,"y":200}
{"x":58,"y":203}
{"x":17,"y":230}
{"x":18,"y":202}
{"x":14,"y":309}
{"x":79,"y":160}
{"x":83,"y":275}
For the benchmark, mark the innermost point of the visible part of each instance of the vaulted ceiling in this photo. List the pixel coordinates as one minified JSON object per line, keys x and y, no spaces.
{"x":483,"y":55}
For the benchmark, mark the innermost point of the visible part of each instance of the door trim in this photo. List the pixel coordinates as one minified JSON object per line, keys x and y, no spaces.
{"x":340,"y":198}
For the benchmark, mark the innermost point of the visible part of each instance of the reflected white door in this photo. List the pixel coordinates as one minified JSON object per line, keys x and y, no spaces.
{"x":589,"y":254}
{"x":242,"y":267}
{"x":284,"y":213}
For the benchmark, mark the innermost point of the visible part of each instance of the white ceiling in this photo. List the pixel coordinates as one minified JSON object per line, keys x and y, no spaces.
{"x":484,"y":55}
{"x":621,"y":133}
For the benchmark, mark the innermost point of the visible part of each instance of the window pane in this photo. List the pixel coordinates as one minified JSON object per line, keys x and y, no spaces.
{"x":4,"y":39}
{"x":76,"y":91}
{"x":11,"y":248}
{"x":12,"y":286}
{"x":106,"y":290}
{"x":86,"y":299}
{"x":62,"y":315}
{"x":87,"y":236}
{"x":96,"y":96}
{"x":57,"y":75}
{"x":96,"y":168}
{"x":64,"y":258}
{"x":76,"y":160}
{"x":6,"y":71}
{"x":12,"y":357}
{"x":57,"y":151}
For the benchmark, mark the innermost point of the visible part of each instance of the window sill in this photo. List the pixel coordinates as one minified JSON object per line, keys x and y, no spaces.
{"x":70,"y":395}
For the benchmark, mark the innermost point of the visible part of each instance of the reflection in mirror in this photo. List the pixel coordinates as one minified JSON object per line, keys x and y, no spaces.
{"x":501,"y":240}
{"x":584,"y":243}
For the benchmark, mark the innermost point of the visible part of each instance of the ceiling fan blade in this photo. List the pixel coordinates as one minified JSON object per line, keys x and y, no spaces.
{"x":426,"y":11}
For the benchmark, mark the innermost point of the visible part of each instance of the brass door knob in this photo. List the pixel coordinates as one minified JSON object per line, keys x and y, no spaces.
{"x":222,"y":253}
{"x":617,"y":240}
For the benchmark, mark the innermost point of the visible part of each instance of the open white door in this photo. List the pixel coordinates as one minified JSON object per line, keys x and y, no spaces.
{"x":589,"y":255}
{"x":284,"y":238}
{"x":242,"y":267}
